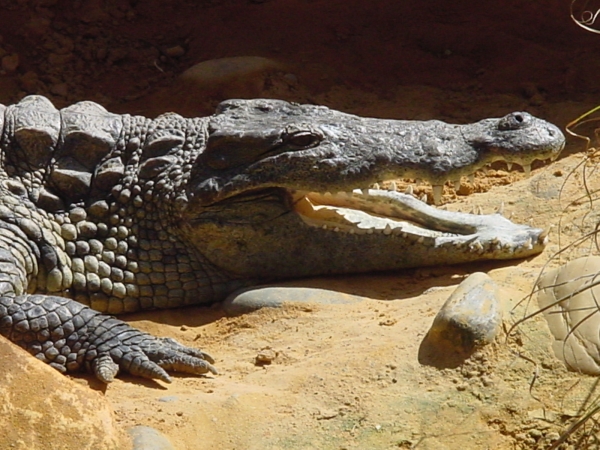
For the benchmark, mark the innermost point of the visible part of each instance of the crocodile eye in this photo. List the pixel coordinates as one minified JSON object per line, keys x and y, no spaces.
{"x":303,"y":139}
{"x":514,"y":121}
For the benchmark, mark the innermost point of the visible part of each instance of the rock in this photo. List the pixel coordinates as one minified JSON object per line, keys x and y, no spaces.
{"x":237,"y":77}
{"x":41,"y":408}
{"x":569,"y":298}
{"x":218,"y":79}
{"x":470,"y":318}
{"x":147,"y":438}
{"x":248,"y":300}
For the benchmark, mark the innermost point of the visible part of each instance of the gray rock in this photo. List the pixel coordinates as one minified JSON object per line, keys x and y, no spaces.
{"x":248,"y":300}
{"x":470,"y":318}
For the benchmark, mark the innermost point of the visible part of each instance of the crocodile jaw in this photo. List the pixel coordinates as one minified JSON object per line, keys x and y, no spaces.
{"x":278,"y":233}
{"x":401,"y":216}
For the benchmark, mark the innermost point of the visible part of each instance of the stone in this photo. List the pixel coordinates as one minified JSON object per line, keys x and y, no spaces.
{"x":235,"y":77}
{"x":470,"y":318}
{"x":248,"y":300}
{"x":223,"y":78}
{"x":568,"y":295}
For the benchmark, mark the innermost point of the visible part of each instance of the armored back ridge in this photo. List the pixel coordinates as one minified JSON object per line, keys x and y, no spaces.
{"x":98,"y":195}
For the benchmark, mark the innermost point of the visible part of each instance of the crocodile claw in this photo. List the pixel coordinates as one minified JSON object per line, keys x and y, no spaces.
{"x":149,"y":357}
{"x":70,"y":337}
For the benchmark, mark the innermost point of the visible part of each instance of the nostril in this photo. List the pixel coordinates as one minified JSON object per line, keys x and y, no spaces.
{"x":551,"y":133}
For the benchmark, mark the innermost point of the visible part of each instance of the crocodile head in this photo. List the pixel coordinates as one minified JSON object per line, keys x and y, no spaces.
{"x":282,"y":190}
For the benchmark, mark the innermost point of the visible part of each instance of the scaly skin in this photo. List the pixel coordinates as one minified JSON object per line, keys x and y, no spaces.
{"x":125,"y":213}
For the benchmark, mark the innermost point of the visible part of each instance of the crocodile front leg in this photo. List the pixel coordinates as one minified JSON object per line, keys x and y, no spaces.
{"x":70,"y":336}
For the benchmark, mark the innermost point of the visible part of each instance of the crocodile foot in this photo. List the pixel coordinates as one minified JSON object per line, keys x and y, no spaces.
{"x":70,"y":337}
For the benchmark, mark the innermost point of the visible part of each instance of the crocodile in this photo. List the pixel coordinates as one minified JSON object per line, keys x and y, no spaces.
{"x":102,"y":214}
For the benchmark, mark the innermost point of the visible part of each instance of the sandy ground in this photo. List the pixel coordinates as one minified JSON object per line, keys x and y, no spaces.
{"x":351,"y":376}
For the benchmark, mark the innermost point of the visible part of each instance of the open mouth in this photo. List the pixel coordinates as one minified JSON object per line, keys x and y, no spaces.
{"x":371,"y":211}
{"x":389,"y":213}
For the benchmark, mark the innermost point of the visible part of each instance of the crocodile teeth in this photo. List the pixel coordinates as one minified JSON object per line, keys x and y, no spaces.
{"x":393,"y":186}
{"x":387,"y":230}
{"x":500,"y":209}
{"x":543,"y":237}
{"x":457,"y":185}
{"x":424,"y":198}
{"x":437,"y":193}
{"x":509,"y":166}
{"x":409,"y":190}
{"x":527,"y":169}
{"x":529,"y":244}
{"x":476,"y":246}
